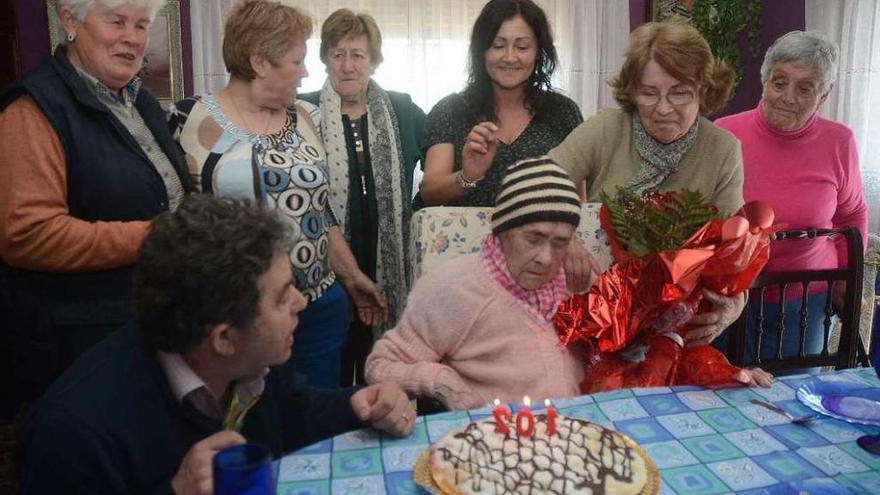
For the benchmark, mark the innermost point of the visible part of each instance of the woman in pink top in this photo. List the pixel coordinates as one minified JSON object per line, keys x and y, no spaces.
{"x":805,"y":166}
{"x":481,"y":327}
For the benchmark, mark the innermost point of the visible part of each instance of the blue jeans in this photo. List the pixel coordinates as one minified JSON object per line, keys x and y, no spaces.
{"x":318,"y":339}
{"x":813,"y":339}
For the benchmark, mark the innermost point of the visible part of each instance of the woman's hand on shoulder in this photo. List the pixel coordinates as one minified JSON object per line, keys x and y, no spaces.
{"x":479,"y":150}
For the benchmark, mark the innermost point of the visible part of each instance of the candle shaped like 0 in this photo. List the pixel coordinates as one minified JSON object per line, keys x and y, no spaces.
{"x":551,"y":418}
{"x":502,"y":416}
{"x":525,"y":421}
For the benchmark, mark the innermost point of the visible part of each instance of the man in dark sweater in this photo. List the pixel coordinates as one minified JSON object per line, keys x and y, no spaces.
{"x":143,"y":411}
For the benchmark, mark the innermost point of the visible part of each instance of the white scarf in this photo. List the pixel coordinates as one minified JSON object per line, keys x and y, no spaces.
{"x":387,"y":163}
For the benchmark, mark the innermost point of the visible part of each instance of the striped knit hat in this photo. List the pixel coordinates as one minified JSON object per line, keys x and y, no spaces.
{"x":535,"y":190}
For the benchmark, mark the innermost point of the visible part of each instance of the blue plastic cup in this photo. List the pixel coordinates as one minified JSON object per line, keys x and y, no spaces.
{"x":244,"y":469}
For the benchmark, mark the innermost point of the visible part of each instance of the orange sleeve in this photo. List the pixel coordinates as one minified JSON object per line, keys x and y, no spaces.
{"x":37,"y":231}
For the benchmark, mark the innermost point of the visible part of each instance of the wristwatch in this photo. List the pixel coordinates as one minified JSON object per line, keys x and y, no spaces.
{"x":465,"y":182}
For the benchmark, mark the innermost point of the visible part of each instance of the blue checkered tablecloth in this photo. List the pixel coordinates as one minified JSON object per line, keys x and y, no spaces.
{"x":703,"y":441}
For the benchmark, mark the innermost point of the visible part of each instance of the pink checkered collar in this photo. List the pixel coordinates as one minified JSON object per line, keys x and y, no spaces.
{"x":541,"y":302}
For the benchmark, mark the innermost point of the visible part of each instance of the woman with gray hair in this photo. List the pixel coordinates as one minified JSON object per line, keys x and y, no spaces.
{"x":373,"y":139}
{"x":87,"y":163}
{"x":806,"y":167}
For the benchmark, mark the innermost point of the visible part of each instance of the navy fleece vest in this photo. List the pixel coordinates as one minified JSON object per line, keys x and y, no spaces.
{"x":53,"y":316}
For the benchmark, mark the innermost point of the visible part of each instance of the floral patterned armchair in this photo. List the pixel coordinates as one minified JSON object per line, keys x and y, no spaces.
{"x":441,"y":233}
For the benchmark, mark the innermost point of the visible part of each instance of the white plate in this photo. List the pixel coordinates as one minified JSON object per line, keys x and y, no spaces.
{"x":851,"y":402}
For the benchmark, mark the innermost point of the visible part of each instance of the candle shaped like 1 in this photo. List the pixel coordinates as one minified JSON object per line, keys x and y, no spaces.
{"x":551,"y":418}
{"x":502,"y":416}
{"x":525,"y":421}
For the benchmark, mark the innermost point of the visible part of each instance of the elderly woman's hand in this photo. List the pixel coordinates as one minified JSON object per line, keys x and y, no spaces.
{"x":479,"y":150}
{"x":754,"y":377}
{"x":707,"y":326}
{"x":370,"y":304}
{"x":581,"y":270}
{"x":454,"y":393}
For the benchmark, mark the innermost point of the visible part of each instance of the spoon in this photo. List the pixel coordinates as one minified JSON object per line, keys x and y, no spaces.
{"x":798,"y":420}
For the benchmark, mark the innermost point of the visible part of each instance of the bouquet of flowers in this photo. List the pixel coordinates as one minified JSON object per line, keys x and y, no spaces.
{"x":666,"y":247}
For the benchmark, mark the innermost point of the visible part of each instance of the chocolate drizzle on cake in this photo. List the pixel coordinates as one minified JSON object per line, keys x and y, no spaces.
{"x":582,"y":457}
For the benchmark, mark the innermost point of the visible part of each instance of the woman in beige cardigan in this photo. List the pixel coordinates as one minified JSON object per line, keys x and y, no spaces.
{"x":659,"y":139}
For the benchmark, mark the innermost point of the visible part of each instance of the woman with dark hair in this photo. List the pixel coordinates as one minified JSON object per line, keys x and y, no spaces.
{"x":506,"y":112}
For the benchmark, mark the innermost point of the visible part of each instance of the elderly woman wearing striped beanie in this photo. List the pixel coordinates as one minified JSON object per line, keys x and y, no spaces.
{"x":481,"y":328}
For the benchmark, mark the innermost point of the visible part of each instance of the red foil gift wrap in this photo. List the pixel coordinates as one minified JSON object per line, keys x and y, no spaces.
{"x":625,"y":317}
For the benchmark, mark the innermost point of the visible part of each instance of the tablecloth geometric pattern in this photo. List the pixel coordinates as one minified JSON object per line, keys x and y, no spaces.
{"x":704,"y":442}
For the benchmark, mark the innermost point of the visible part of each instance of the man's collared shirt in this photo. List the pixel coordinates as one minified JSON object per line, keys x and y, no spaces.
{"x":187,"y":385}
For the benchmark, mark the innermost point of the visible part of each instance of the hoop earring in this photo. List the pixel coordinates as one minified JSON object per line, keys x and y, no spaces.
{"x":70,"y":37}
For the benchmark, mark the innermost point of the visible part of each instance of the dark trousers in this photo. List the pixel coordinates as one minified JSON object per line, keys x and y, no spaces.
{"x":358,"y":344}
{"x":318,"y":339}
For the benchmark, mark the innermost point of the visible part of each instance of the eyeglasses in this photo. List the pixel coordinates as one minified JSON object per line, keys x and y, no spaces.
{"x":677,"y":97}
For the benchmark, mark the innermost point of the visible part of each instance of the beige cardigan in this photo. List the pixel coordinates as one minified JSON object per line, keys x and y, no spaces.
{"x":601,"y":150}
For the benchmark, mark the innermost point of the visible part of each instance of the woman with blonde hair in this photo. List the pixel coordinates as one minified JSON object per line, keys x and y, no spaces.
{"x":253,"y":139}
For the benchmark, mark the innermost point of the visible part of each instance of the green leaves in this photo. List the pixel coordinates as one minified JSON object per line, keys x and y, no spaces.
{"x":658,"y":221}
{"x":721,"y":22}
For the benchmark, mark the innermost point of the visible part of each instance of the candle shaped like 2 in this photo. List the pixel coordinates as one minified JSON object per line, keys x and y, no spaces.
{"x":525,"y":421}
{"x":551,"y":418}
{"x":502,"y":416}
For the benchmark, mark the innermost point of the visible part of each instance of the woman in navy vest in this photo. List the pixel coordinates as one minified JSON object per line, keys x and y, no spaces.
{"x":87,"y":163}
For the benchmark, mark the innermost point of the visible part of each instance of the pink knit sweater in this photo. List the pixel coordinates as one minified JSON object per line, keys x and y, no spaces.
{"x":464,"y":340}
{"x":811,"y":178}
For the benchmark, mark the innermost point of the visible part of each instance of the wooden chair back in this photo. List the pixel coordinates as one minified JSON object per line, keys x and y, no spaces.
{"x":849,"y":351}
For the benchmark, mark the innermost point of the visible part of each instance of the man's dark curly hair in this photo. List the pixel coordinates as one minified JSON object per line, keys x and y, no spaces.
{"x":201,"y":265}
{"x":478,"y":91}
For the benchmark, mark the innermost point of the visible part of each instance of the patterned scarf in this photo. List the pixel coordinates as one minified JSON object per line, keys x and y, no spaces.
{"x":541,"y":302}
{"x":387,"y":163}
{"x":659,"y":160}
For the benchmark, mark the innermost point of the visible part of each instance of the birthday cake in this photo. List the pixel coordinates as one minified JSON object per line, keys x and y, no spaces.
{"x":578,"y":458}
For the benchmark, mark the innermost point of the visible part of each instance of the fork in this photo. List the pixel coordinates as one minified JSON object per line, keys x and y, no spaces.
{"x":798,"y":420}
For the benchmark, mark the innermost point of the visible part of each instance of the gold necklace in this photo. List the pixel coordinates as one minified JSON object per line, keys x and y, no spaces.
{"x":244,"y":120}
